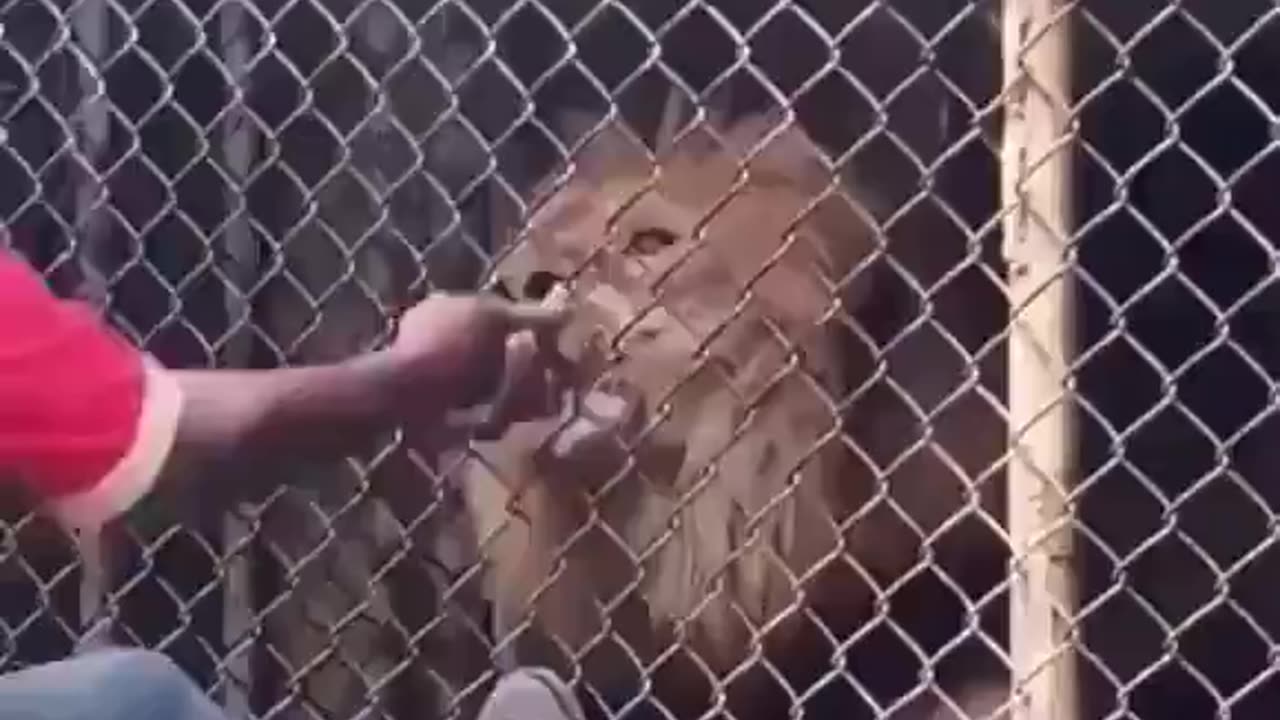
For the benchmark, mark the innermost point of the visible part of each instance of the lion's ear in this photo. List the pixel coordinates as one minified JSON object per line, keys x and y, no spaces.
{"x":773,"y":141}
{"x":599,"y":146}
{"x":750,"y":130}
{"x":574,"y":125}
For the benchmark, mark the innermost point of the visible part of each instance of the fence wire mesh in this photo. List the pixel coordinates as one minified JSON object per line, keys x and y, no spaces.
{"x":779,"y":221}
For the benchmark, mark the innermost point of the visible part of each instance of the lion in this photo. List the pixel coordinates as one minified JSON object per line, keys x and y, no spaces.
{"x":702,"y":497}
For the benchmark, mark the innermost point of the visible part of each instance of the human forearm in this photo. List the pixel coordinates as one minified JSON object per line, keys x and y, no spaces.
{"x":450,"y":352}
{"x":243,"y":433}
{"x":314,"y":413}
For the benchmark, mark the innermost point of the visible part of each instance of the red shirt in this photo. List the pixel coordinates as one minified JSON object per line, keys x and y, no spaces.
{"x":85,"y":419}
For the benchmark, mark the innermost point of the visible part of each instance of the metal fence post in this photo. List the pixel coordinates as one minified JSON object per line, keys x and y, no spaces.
{"x":1036,"y":193}
{"x":90,"y":28}
{"x":240,"y":140}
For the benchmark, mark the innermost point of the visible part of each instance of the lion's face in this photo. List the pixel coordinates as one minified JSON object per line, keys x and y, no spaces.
{"x":693,"y":282}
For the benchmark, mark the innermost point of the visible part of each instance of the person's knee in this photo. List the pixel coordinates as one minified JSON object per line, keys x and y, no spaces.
{"x":153,"y":681}
{"x":113,"y":684}
{"x":135,"y":666}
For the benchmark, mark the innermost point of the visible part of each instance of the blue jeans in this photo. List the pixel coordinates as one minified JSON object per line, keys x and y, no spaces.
{"x":120,"y":684}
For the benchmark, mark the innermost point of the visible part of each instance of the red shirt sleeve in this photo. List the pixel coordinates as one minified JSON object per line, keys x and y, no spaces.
{"x":85,"y":419}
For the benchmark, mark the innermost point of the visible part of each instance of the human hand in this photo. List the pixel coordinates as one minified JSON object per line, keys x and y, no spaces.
{"x":465,"y":341}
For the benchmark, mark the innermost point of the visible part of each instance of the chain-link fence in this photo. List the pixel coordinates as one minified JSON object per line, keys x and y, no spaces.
{"x":800,"y":355}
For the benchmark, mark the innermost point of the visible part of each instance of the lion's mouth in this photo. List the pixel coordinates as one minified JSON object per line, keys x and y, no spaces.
{"x":606,"y":419}
{"x":605,"y":430}
{"x":595,"y":413}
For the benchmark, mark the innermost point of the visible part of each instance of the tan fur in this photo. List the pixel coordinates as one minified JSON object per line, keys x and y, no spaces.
{"x":599,"y":550}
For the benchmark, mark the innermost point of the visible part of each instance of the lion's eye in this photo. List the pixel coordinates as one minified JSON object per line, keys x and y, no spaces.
{"x":648,"y":241}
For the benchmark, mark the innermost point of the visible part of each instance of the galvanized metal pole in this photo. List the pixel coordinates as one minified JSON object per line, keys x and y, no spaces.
{"x":1036,"y":190}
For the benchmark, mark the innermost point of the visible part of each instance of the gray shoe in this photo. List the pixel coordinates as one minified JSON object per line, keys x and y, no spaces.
{"x":531,"y":694}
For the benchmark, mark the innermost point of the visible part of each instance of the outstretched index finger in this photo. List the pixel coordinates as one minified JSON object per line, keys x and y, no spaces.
{"x":549,"y":314}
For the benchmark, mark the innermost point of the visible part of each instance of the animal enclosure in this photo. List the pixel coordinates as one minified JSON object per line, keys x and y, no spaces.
{"x":924,"y":351}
